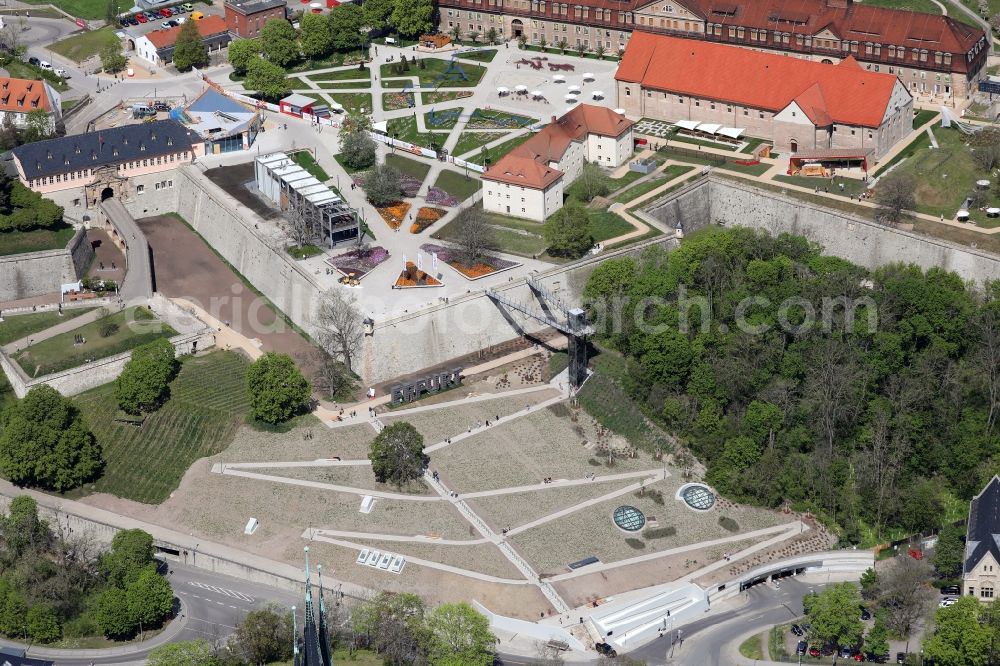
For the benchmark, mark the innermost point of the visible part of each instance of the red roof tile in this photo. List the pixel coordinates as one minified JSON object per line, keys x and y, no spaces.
{"x":23,"y":95}
{"x":842,"y":93}
{"x":207,"y":27}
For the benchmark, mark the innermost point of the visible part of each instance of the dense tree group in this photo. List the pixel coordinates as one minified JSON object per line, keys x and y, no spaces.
{"x":189,"y":50}
{"x":136,"y":597}
{"x":22,"y":209}
{"x":870,"y":415}
{"x":144,"y":382}
{"x":276,"y":388}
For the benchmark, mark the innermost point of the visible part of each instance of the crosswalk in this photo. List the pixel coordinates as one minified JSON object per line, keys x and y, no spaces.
{"x":223,"y":591}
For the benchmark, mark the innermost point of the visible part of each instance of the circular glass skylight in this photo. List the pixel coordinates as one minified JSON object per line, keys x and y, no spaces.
{"x":629,"y":518}
{"x":698,"y":497}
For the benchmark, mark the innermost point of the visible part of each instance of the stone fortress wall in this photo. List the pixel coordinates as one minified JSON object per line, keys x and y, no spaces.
{"x":34,"y":274}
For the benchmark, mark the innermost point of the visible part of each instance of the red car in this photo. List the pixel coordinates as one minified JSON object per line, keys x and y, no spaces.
{"x":166,"y":13}
{"x":141,"y":18}
{"x":814,"y":651}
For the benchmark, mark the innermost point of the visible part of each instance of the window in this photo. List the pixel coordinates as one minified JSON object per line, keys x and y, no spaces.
{"x":680,"y":100}
{"x":157,"y":186}
{"x":986,"y":592}
{"x":140,"y":189}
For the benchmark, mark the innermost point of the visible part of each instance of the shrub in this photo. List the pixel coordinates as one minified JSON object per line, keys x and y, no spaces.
{"x":593,"y":462}
{"x":659,"y":532}
{"x":108,"y":329}
{"x":637,"y":544}
{"x":729,"y":524}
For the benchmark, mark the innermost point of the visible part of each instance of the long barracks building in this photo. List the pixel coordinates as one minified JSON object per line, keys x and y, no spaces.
{"x":930,"y":53}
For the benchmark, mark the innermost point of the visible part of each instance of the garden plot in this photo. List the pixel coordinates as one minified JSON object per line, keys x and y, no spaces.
{"x":523,"y":452}
{"x":550,"y":547}
{"x":348,"y":442}
{"x":483,"y":558}
{"x":354,"y":476}
{"x":437,"y":424}
{"x":510,"y":511}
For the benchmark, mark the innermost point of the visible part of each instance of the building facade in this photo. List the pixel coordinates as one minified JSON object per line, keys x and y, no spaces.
{"x":981,"y":570}
{"x":79,"y":171}
{"x":930,"y":53}
{"x":19,"y":97}
{"x":529,"y":181}
{"x":796,"y":104}
{"x":246,"y":18}
{"x":157,"y":47}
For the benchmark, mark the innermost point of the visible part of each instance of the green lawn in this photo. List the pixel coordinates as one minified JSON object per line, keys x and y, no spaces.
{"x":408,"y":167}
{"x":604,"y":225}
{"x":944,"y":176}
{"x":457,"y":185}
{"x":491,"y":119}
{"x":348,"y":169}
{"x":16,"y":242}
{"x":305,"y":160}
{"x":15,"y":327}
{"x":136,"y":326}
{"x":85,"y":44}
{"x":513,"y":235}
{"x":439,"y":96}
{"x":332,"y":60}
{"x":752,"y":648}
{"x":482,"y":55}
{"x":355,"y":103}
{"x":344,"y":75}
{"x":36,"y":12}
{"x":207,"y":403}
{"x":637,"y":191}
{"x":469,"y":141}
{"x":755,"y":169}
{"x":922,"y":116}
{"x":852,"y":186}
{"x":496,"y":152}
{"x":405,"y":129}
{"x":88,"y":9}
{"x":20,"y":69}
{"x":926,"y":6}
{"x":433,"y":75}
{"x":752,"y":142}
{"x":684,"y":138}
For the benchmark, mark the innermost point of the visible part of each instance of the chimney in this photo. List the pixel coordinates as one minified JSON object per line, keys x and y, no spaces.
{"x":553,"y":119}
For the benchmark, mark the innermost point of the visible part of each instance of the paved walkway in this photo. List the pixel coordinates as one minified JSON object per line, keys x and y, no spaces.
{"x":138,"y":282}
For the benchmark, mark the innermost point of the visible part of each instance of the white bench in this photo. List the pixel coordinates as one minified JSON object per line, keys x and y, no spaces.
{"x":366,"y":504}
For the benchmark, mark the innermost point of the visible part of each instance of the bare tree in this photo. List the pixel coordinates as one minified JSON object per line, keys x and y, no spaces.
{"x":303,"y":220}
{"x":882,"y":462}
{"x":330,"y":376}
{"x":905,"y":593}
{"x":475,"y":235}
{"x":986,"y":148}
{"x":341,"y":325}
{"x":986,"y":357}
{"x":895,"y":194}
{"x":592,"y":182}
{"x":548,"y":655}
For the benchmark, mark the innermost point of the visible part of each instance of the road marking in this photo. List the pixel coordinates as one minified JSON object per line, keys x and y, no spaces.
{"x":223,"y":591}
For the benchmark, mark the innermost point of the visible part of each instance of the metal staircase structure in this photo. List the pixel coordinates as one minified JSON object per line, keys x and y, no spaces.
{"x":571,"y":321}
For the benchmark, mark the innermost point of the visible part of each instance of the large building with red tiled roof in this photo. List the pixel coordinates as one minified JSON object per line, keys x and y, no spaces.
{"x":931,"y":54}
{"x":157,"y":47}
{"x":528,"y":181}
{"x":20,"y":97}
{"x":797,"y":104}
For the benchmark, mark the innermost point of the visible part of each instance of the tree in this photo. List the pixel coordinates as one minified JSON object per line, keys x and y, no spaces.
{"x":905,"y":594}
{"x":45,"y":443}
{"x":397,"y":454}
{"x":183,"y":653}
{"x":522,"y":40}
{"x":581,"y":49}
{"x":111,"y":12}
{"x":242,"y":52}
{"x":22,"y":530}
{"x":895,"y":194}
{"x":112,"y":613}
{"x":542,"y":42}
{"x":376,"y":13}
{"x":267,"y":79}
{"x":413,"y":17}
{"x":592,"y":182}
{"x":562,"y":44}
{"x":949,"y":553}
{"x":877,"y":638}
{"x":341,"y":325}
{"x":278,"y":40}
{"x":113,"y":59}
{"x":347,"y":26}
{"x":567,"y":231}
{"x":392,"y":624}
{"x":491,"y":35}
{"x":456,"y":33}
{"x":37,"y":126}
{"x":315,"y":35}
{"x":959,"y":639}
{"x":144,"y":381}
{"x":870,"y":584}
{"x":459,"y":636}
{"x":382,"y":185}
{"x":600,"y":50}
{"x":150,"y":599}
{"x":474,"y":36}
{"x":131,"y":554}
{"x":330,"y":376}
{"x":357,"y":148}
{"x":476,"y":238}
{"x":263,"y":636}
{"x":42,"y":624}
{"x":833,"y":614}
{"x":189,"y":50}
{"x":275,"y":388}
{"x":985,"y":146}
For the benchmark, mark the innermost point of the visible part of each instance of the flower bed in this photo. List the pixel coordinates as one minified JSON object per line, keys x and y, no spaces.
{"x":488,"y":119}
{"x":411,"y":276}
{"x":425,"y":218}
{"x":394,"y":214}
{"x":359,"y":262}
{"x":397,"y":100}
{"x":483,"y":267}
{"x":409,"y":185}
{"x":436,"y":195}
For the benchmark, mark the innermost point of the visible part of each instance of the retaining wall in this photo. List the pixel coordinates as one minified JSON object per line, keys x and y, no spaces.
{"x":34,"y":274}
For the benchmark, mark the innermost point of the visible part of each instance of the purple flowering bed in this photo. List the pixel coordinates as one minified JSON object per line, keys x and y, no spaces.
{"x":360,"y":261}
{"x":436,"y":195}
{"x":410,"y":186}
{"x":485,"y":266}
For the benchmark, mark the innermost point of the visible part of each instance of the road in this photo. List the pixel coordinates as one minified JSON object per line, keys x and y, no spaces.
{"x":212,"y":604}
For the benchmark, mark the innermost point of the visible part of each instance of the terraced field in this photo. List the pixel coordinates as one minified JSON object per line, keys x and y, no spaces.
{"x":206,"y":406}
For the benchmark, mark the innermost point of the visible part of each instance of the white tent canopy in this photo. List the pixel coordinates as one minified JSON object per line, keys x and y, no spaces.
{"x":709,"y":128}
{"x":731,"y":132}
{"x":536,"y":93}
{"x":687,"y":124}
{"x":620,"y":112}
{"x":521,"y":88}
{"x":570,"y":99}
{"x":574,"y":88}
{"x":559,"y":78}
{"x":502,"y":90}
{"x":588,"y":76}
{"x":597,"y":94}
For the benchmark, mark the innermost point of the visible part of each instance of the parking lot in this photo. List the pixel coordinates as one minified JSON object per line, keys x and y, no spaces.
{"x":156,"y":23}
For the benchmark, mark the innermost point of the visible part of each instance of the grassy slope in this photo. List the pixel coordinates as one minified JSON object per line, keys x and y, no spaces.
{"x":83,"y":45}
{"x":16,"y":242}
{"x":18,"y":326}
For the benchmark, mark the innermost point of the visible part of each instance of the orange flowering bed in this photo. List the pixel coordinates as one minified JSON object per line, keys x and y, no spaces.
{"x":474,"y":271}
{"x":425,"y":218}
{"x":394,"y":214}
{"x":413,"y":277}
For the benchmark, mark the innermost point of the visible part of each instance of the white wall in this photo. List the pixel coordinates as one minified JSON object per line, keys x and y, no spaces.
{"x":524,"y":202}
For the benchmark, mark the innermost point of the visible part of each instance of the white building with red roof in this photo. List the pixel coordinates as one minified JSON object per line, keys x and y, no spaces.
{"x":19,"y":97}
{"x":796,"y":104}
{"x":528,"y":181}
{"x":157,"y":47}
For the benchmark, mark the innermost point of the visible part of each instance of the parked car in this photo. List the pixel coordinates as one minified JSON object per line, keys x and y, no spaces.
{"x":606,"y":650}
{"x":197,"y":16}
{"x":45,"y":65}
{"x":34,"y":61}
{"x":166,"y":24}
{"x":865,"y":614}
{"x":123,"y":22}
{"x":62,"y":73}
{"x":161,"y":106}
{"x":846,"y":652}
{"x":166,"y":13}
{"x":900,"y":657}
{"x":951,"y":589}
{"x":797,"y":630}
{"x":180,"y":19}
{"x":814,"y":651}
{"x":800,"y":650}
{"x":132,"y":20}
{"x":947,"y":601}
{"x":150,"y":16}
{"x":141,"y":18}
{"x":187,"y":6}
